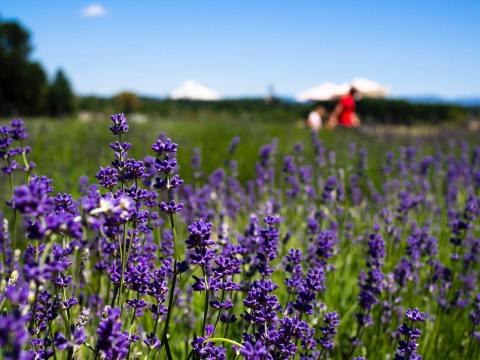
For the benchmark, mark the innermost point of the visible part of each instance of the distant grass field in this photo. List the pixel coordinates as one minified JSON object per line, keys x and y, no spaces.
{"x":67,"y":149}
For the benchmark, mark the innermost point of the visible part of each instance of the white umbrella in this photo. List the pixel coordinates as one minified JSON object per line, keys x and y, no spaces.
{"x":369,"y":88}
{"x":330,"y":91}
{"x":192,"y":90}
{"x":324,"y":91}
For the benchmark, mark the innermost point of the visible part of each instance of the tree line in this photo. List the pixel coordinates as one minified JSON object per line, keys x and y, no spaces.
{"x":25,"y":88}
{"x":385,"y":111}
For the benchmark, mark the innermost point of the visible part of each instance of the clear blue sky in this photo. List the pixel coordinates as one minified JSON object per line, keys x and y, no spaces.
{"x":238,"y":47}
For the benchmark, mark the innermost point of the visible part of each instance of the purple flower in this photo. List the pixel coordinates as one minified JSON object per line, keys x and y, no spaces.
{"x":256,"y":351}
{"x":164,"y":147}
{"x":415,"y":315}
{"x":18,"y":130}
{"x":60,"y":341}
{"x":33,"y":199}
{"x":170,"y":207}
{"x":63,"y":281}
{"x":111,"y":341}
{"x":328,"y":193}
{"x":293,"y":266}
{"x":206,"y":350}
{"x":165,"y":166}
{"x":475,"y":313}
{"x":290,"y":330}
{"x":13,"y":334}
{"x":167,"y":242}
{"x":323,"y":246}
{"x":79,"y":336}
{"x":107,"y":177}
{"x":120,"y":147}
{"x":199,"y":243}
{"x":5,"y":242}
{"x":309,"y":289}
{"x":371,"y":282}
{"x":5,"y":138}
{"x":120,"y":124}
{"x":376,"y":250}
{"x":329,"y":330}
{"x":233,"y":144}
{"x":262,"y":304}
{"x":132,"y":170}
{"x":138,"y":306}
{"x":268,"y":245}
{"x":408,"y":346}
{"x":64,"y":203}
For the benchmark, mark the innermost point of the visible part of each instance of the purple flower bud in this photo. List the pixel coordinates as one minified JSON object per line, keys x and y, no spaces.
{"x":18,"y":130}
{"x":33,"y":199}
{"x":171,"y":207}
{"x":120,"y":124}
{"x":164,"y":147}
{"x":415,"y":315}
{"x":107,"y":177}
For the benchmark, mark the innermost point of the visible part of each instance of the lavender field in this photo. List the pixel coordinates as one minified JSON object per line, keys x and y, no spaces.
{"x":237,"y":242}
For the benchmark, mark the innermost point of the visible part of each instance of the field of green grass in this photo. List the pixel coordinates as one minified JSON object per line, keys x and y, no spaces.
{"x":67,"y":149}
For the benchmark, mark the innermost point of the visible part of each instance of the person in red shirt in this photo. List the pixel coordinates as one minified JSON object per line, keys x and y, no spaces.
{"x":344,"y":113}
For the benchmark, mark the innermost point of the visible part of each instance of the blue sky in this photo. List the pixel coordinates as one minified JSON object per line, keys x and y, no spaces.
{"x":238,"y":47}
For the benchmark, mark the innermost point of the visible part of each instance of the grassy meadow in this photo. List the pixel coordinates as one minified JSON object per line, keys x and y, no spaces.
{"x":67,"y":149}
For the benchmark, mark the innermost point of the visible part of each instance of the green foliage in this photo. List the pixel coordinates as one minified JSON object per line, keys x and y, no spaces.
{"x":79,"y":141}
{"x":24,"y":88}
{"x":127,"y":102}
{"x":23,"y":82}
{"x":397,"y":111}
{"x":61,"y":100}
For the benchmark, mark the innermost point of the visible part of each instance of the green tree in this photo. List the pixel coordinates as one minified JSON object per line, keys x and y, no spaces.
{"x":61,"y":100}
{"x":127,"y":102}
{"x":23,"y":83}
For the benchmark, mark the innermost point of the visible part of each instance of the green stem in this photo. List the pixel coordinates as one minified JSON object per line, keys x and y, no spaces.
{"x":207,"y":297}
{"x":134,"y":312}
{"x":115,"y":293}
{"x":25,"y":162}
{"x":131,"y":323}
{"x":174,"y":279}
{"x":156,"y":321}
{"x":53,"y":342}
{"x":229,"y":341}
{"x":170,"y":303}
{"x":14,"y":213}
{"x":34,"y":308}
{"x":219,"y":311}
{"x":225,"y":333}
{"x":167,"y":350}
{"x":123,"y":261}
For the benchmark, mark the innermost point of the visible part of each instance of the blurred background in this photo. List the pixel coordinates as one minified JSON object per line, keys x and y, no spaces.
{"x":204,"y":72}
{"x":416,"y":62}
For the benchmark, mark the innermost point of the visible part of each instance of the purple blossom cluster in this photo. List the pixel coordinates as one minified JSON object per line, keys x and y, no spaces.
{"x":12,"y":150}
{"x":407,"y":347}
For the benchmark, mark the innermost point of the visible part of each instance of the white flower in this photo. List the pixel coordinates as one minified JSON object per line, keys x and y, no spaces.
{"x":105,"y":206}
